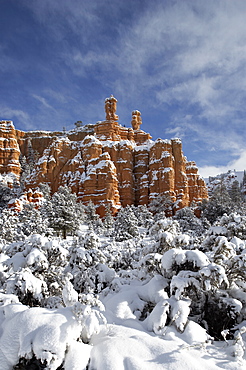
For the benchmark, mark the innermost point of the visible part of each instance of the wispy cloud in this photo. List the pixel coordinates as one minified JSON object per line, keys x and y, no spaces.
{"x":43,"y":101}
{"x":10,"y":114}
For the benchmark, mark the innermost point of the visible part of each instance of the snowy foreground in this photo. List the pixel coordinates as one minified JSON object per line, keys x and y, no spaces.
{"x":91,"y":302}
{"x":122,"y":343}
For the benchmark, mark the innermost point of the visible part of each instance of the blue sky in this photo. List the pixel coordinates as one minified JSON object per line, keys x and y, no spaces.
{"x":181,"y":63}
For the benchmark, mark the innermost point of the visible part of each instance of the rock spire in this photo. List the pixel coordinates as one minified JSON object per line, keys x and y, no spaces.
{"x":105,"y":162}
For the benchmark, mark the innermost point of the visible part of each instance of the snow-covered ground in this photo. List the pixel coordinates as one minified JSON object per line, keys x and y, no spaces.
{"x":141,"y":297}
{"x":122,"y":343}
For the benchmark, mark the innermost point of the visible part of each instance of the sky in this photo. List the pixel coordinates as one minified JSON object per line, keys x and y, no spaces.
{"x":181,"y":63}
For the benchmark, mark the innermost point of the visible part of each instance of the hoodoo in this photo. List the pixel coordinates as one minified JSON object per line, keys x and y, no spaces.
{"x":106,"y":162}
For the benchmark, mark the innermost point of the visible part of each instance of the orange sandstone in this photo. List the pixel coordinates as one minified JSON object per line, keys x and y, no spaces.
{"x":105,"y":162}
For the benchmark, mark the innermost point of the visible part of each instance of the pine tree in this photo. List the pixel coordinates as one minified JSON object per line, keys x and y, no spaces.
{"x":6,"y":194}
{"x":108,"y":221}
{"x":32,"y":155}
{"x":9,"y":226}
{"x":31,"y":220}
{"x":243,"y":186}
{"x":161,"y":204}
{"x":235,"y":193}
{"x":44,"y":188}
{"x":219,"y":203}
{"x":92,"y":218}
{"x":126,"y":224}
{"x":62,"y":211}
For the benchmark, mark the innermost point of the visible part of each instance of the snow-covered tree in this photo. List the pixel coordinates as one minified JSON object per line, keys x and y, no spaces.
{"x":189,"y":223}
{"x":125,"y":224}
{"x":108,"y":221}
{"x":92,"y":218}
{"x":32,"y":222}
{"x":6,"y":194}
{"x":10,"y":229}
{"x":235,"y":193}
{"x":218,"y":204}
{"x":161,"y":204}
{"x":62,"y":211}
{"x":144,"y":216}
{"x":44,"y":188}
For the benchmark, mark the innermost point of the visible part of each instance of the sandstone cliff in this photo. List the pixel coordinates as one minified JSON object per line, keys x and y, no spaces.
{"x":9,"y":149}
{"x":105,"y":162}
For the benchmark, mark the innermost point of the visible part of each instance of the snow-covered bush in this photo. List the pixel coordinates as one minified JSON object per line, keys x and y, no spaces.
{"x":88,"y":268}
{"x":51,"y":338}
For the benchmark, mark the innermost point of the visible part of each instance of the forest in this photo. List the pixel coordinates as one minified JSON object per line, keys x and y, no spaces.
{"x":69,"y":281}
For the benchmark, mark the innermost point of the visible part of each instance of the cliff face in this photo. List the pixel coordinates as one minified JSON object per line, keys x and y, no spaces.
{"x":105,"y":162}
{"x":9,"y":149}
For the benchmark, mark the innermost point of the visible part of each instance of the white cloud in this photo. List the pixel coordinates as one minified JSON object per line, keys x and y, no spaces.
{"x":12,"y":114}
{"x":189,"y":56}
{"x":177,"y":131}
{"x":9,"y":113}
{"x":238,"y":164}
{"x":43,"y":101}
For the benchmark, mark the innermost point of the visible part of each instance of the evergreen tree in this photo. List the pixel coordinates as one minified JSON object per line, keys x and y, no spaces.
{"x":144,"y":216}
{"x":219,"y":203}
{"x":108,"y":221}
{"x":32,"y":155}
{"x":6,"y":194}
{"x":243,"y":186}
{"x":189,"y":223}
{"x":62,"y":211}
{"x":31,"y":220}
{"x":25,"y":170}
{"x":126,"y":224}
{"x":235,"y":193}
{"x":9,"y":226}
{"x":92,"y":218}
{"x":44,"y":188}
{"x":161,"y":204}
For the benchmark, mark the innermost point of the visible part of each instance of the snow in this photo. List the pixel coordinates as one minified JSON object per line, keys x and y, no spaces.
{"x":8,"y":178}
{"x":121,"y":348}
{"x":180,"y":256}
{"x":133,"y":305}
{"x":78,"y":355}
{"x":124,"y":343}
{"x":46,"y":333}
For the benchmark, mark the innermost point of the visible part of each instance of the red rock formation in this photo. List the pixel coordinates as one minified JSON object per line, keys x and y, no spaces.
{"x":35,"y":198}
{"x":9,"y":149}
{"x":106,"y":163}
{"x":197,"y":190}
